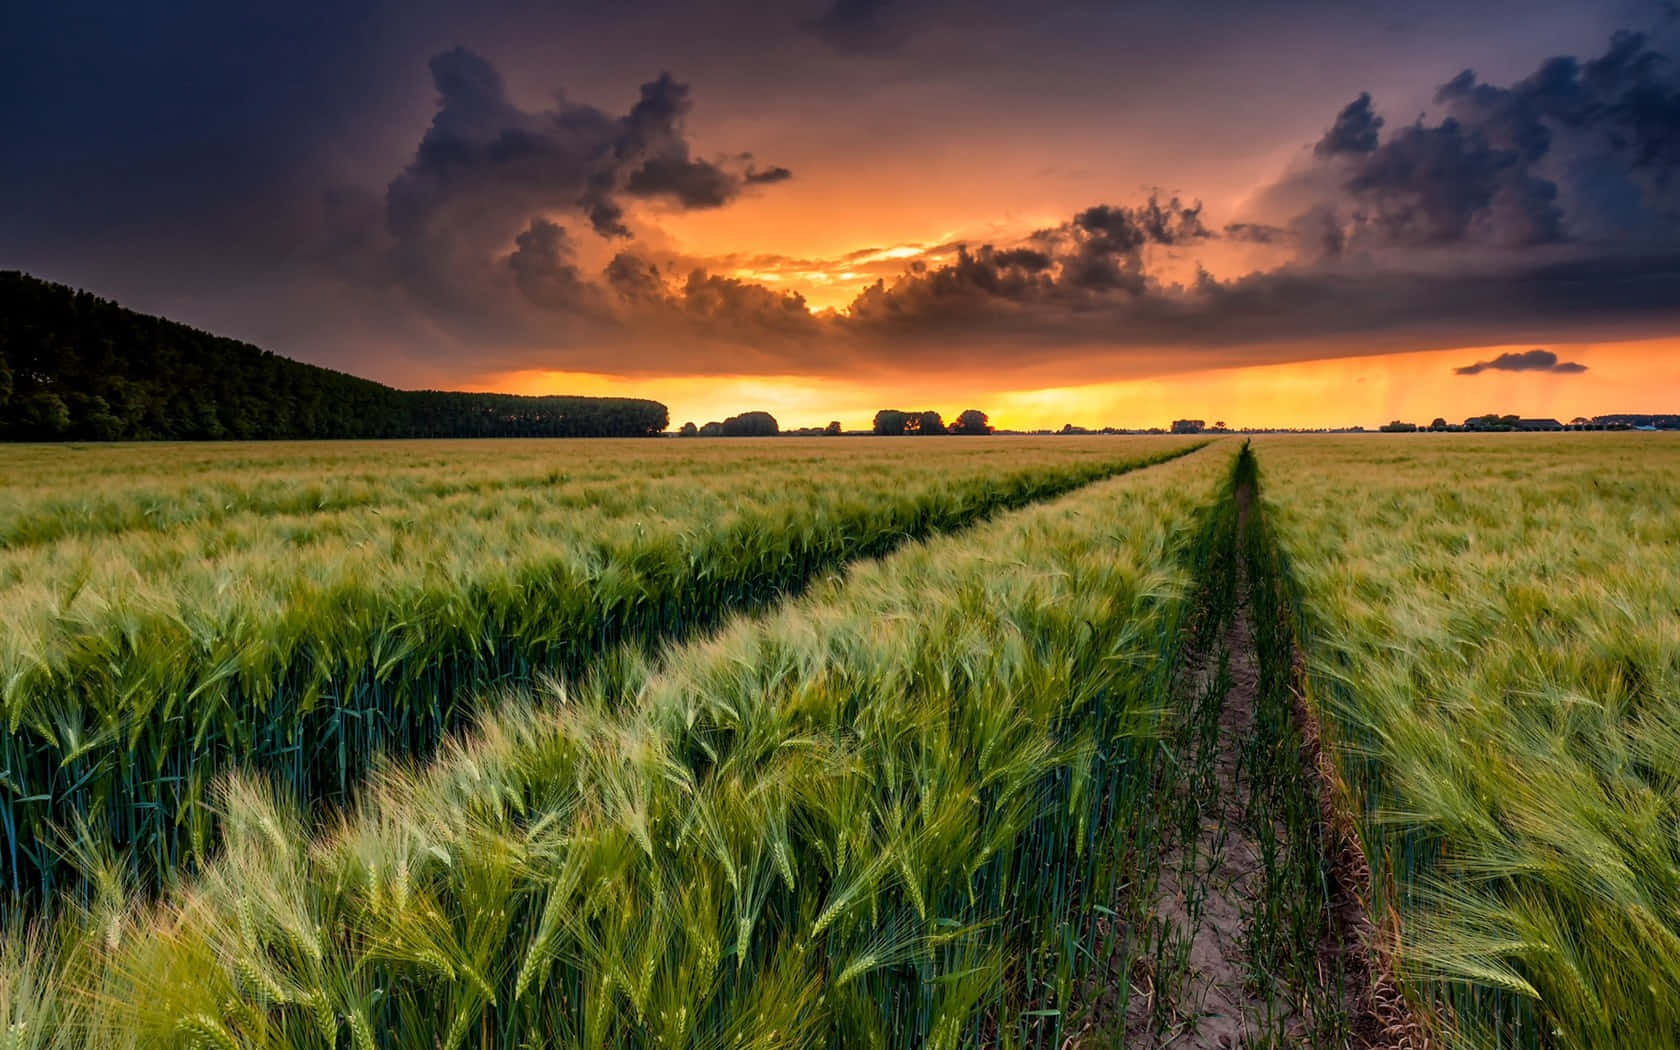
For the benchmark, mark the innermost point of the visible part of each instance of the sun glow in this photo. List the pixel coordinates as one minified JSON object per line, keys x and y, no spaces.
{"x":1362,"y":391}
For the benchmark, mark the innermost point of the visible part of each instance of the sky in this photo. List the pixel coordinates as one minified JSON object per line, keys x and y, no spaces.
{"x":1106,"y":214}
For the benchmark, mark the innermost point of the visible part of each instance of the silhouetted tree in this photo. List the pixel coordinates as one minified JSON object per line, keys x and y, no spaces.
{"x":972,"y":421}
{"x":711,"y":430}
{"x":1491,"y":421}
{"x":833,"y":428}
{"x":1188,"y":426}
{"x":689,"y":430}
{"x":891,"y":422}
{"x":751,"y":424}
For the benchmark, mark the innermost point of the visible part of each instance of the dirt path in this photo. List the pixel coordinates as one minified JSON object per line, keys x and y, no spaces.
{"x":1209,"y":880}
{"x":1247,"y":765}
{"x":1207,"y":885}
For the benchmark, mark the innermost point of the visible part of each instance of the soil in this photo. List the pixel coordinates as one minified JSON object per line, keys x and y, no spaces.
{"x":1215,"y":1001}
{"x":1209,"y":886}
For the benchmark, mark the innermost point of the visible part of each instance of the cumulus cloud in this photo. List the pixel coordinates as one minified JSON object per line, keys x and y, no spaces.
{"x":1576,"y":151}
{"x":1354,"y":132}
{"x":487,"y":172}
{"x":1526,"y":361}
{"x":544,"y":270}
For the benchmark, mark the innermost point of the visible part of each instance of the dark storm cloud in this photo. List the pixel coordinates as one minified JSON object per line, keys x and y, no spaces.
{"x":636,"y":281}
{"x":1026,"y":259}
{"x":776,"y":174}
{"x":1447,"y":184}
{"x":1291,"y":313}
{"x":725,"y":306}
{"x":1613,"y":124}
{"x":1255,"y":232}
{"x":1456,"y":229}
{"x":1527,"y":361}
{"x":1355,"y":130}
{"x":859,"y":26}
{"x":544,"y":269}
{"x":690,"y":183}
{"x":488,"y":175}
{"x":1440,"y":232}
{"x":482,"y":154}
{"x":1102,"y":247}
{"x":1576,"y":151}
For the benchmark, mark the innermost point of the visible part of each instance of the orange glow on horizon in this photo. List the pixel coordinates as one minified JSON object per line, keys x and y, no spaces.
{"x":1641,"y":376}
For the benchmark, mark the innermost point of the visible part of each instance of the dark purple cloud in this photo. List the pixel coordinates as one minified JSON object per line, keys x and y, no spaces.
{"x":1354,"y":132}
{"x":1453,"y":230}
{"x":1526,"y":361}
{"x":484,"y":155}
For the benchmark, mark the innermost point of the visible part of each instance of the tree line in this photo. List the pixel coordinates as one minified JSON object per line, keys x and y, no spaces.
{"x":893,"y":422}
{"x":747,"y":424}
{"x":888,"y":421}
{"x":77,"y":367}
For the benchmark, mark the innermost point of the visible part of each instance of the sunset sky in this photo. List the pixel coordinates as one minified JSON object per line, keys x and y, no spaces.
{"x":1307,"y":214}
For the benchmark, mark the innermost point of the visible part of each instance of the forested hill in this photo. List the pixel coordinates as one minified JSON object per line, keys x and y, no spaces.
{"x":77,"y":367}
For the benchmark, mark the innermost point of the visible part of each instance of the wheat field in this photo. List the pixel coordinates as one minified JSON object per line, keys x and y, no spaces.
{"x":846,"y":744}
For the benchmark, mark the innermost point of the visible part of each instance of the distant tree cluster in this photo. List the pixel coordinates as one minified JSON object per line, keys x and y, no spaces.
{"x":832,"y":430}
{"x":894,"y":422}
{"x":1497,"y":422}
{"x":1188,"y":426}
{"x":747,"y":424}
{"x":77,"y":367}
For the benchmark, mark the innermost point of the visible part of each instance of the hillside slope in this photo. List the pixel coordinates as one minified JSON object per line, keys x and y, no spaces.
{"x":77,"y":367}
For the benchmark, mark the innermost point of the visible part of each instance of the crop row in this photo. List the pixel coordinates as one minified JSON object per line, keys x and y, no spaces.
{"x":894,"y":813}
{"x":1493,"y":639}
{"x":308,"y":647}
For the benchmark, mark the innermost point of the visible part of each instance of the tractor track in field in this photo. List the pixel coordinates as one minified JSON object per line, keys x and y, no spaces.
{"x":1208,"y":880}
{"x":1213,"y":875}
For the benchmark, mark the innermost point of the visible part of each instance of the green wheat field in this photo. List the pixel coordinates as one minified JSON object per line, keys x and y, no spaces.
{"x":835,"y":743}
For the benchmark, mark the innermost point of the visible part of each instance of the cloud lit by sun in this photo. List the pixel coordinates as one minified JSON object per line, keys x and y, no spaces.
{"x":721,"y":208}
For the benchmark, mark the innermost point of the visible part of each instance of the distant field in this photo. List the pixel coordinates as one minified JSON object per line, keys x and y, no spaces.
{"x":1048,"y":781}
{"x":171,"y":611}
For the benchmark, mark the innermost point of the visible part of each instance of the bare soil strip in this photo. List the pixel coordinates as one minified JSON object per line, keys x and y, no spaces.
{"x":1201,"y":990}
{"x":1208,"y":884}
